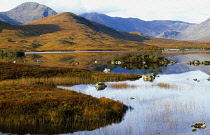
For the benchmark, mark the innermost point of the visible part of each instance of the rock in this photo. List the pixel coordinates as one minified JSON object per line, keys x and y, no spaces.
{"x":194,"y":129}
{"x":189,"y":62}
{"x":106,"y":70}
{"x":39,"y":61}
{"x":195,"y":79}
{"x":132,"y":98}
{"x":172,"y":62}
{"x":100,"y":86}
{"x":208,"y":79}
{"x":196,"y":62}
{"x":149,"y":77}
{"x":199,"y":125}
{"x":206,"y":62}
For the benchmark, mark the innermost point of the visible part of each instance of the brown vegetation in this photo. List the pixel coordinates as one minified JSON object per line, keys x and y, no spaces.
{"x":165,"y":85}
{"x":29,"y":98}
{"x":121,"y":86}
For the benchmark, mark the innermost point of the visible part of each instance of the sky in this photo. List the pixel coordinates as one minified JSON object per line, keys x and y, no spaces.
{"x":193,"y":11}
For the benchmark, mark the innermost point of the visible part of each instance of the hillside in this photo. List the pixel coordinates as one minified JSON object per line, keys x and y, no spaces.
{"x":199,"y":32}
{"x":25,"y":13}
{"x":148,"y":28}
{"x":67,"y":31}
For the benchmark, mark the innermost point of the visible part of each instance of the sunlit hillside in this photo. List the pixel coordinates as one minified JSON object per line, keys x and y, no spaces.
{"x":67,"y":31}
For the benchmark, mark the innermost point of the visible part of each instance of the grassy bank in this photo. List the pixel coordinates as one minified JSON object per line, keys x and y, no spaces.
{"x":29,"y":98}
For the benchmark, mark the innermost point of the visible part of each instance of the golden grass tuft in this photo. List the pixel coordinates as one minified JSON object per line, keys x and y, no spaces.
{"x":165,"y":85}
{"x":121,"y":86}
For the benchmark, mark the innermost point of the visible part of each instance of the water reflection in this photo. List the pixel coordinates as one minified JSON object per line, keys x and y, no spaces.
{"x":155,"y":106}
{"x":98,"y":61}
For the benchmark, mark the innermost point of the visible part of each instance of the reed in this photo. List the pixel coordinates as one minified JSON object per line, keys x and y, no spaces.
{"x":165,"y":85}
{"x":121,"y":86}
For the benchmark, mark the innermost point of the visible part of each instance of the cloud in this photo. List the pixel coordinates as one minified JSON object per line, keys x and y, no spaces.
{"x":184,"y":10}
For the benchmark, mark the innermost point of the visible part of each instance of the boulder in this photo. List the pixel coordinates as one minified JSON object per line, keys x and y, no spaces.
{"x":149,"y":77}
{"x":199,"y":125}
{"x":196,"y":62}
{"x":100,"y":86}
{"x":172,"y":62}
{"x":106,"y":70}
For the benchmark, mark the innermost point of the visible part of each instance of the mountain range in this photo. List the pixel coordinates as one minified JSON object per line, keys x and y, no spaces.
{"x":39,"y":28}
{"x":148,"y":28}
{"x":26,"y":13}
{"x":159,"y":28}
{"x":30,"y":11}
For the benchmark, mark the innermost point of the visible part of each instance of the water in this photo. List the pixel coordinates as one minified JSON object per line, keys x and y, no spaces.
{"x":155,"y":109}
{"x":158,"y":110}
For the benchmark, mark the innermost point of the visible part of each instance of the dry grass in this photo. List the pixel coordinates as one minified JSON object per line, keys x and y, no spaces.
{"x":165,"y":85}
{"x":121,"y":86}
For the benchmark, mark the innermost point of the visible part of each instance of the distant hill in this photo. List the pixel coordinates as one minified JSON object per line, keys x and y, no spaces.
{"x":199,"y":32}
{"x":148,"y":28}
{"x":25,"y":13}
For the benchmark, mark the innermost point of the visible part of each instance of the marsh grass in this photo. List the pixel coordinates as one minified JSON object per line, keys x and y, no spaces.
{"x":170,"y":113}
{"x":165,"y":85}
{"x":29,"y":98}
{"x":43,"y":81}
{"x":122,"y":86}
{"x":46,"y":108}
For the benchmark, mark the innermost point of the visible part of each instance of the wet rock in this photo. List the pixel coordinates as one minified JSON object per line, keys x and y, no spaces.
{"x":100,"y":86}
{"x":149,"y":77}
{"x":200,"y":125}
{"x":195,"y":79}
{"x":206,"y":62}
{"x":189,"y":63}
{"x":196,"y":62}
{"x":172,"y":62}
{"x":194,"y":129}
{"x":106,"y":70}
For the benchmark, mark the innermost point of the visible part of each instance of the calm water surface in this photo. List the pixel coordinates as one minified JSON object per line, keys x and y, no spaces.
{"x":159,"y":110}
{"x":156,"y":110}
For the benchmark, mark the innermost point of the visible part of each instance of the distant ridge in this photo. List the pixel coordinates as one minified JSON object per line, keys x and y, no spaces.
{"x":148,"y":28}
{"x":26,"y":13}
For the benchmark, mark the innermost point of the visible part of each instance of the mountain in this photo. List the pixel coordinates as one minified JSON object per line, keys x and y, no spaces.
{"x":148,"y":28}
{"x":25,"y":13}
{"x":199,"y":32}
{"x":67,"y":31}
